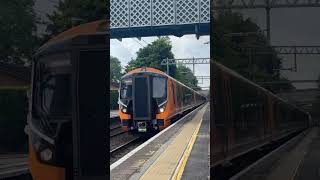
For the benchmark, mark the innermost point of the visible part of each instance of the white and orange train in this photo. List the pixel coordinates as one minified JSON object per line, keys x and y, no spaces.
{"x":149,"y":100}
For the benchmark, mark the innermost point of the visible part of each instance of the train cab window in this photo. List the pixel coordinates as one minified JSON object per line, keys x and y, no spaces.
{"x":55,"y":85}
{"x":56,"y":94}
{"x":126,"y":88}
{"x":159,"y":87}
{"x":52,"y":93}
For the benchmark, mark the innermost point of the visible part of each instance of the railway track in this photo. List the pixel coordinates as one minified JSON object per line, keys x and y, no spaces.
{"x":13,"y":166}
{"x":115,"y":131}
{"x":121,"y":142}
{"x":115,"y":121}
{"x":124,"y":145}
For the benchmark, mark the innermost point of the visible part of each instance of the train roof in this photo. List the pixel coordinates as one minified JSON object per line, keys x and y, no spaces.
{"x":241,"y":78}
{"x":92,"y":28}
{"x":145,"y":69}
{"x":156,"y":71}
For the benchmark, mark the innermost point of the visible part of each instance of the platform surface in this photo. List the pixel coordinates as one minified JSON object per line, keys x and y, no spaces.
{"x":302,"y":162}
{"x":310,"y":165}
{"x":167,"y":165}
{"x":198,"y":164}
{"x":167,"y":156}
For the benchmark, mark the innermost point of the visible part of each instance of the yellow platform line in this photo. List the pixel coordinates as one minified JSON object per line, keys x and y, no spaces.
{"x":171,"y":162}
{"x":183,"y":162}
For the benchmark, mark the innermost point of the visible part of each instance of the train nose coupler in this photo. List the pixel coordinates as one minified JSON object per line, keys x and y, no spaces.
{"x":142,"y":126}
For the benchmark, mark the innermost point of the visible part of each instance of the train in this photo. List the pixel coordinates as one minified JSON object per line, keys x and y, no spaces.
{"x":246,"y":116}
{"x":150,"y":100}
{"x":62,"y":70}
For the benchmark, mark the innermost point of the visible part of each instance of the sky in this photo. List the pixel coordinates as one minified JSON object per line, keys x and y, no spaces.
{"x":184,"y":47}
{"x":43,"y":7}
{"x":294,"y":26}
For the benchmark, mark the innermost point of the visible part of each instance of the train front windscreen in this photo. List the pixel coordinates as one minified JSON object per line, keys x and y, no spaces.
{"x":51,"y":108}
{"x":143,"y":96}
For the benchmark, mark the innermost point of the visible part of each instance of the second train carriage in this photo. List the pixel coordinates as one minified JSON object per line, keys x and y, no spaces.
{"x":246,"y":116}
{"x":149,"y":100}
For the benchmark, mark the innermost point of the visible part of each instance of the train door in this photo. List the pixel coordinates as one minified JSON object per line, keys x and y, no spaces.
{"x":90,"y":113}
{"x":142,"y":101}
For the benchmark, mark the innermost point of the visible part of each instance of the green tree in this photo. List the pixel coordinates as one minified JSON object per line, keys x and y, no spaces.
{"x":152,"y":55}
{"x":115,"y":69}
{"x":185,"y":76}
{"x":74,"y":12}
{"x":17,"y":27}
{"x":231,"y":49}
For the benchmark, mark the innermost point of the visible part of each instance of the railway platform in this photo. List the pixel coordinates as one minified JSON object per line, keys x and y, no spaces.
{"x":179,"y":151}
{"x":302,"y":161}
{"x":297,"y":159}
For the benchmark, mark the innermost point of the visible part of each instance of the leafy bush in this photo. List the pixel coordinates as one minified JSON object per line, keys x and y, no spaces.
{"x":114,"y":100}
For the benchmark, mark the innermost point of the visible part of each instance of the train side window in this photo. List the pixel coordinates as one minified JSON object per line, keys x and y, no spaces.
{"x":173,"y":92}
{"x":190,"y":97}
{"x":183,"y":95}
{"x":180,"y":94}
{"x":186,"y":96}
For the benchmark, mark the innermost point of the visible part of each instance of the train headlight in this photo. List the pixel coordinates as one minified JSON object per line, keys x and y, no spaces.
{"x":46,"y":155}
{"x":161,"y":109}
{"x":124,"y":110}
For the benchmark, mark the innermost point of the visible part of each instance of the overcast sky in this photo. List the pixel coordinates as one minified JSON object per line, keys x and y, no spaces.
{"x":184,"y":47}
{"x":43,"y":7}
{"x":294,"y":26}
